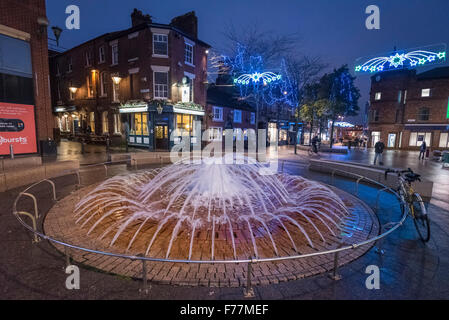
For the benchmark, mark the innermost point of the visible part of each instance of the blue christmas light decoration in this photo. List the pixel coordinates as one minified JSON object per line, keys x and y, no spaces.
{"x":271,"y":88}
{"x":401,"y":60}
{"x":265,"y":77}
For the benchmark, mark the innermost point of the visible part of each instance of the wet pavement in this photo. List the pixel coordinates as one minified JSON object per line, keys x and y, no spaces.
{"x":409,"y":269}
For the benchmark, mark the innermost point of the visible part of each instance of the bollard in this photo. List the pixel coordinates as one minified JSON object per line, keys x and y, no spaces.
{"x":11,"y":151}
{"x":82,"y":146}
{"x":249,"y":290}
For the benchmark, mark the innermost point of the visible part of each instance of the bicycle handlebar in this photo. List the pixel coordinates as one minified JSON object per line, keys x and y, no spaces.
{"x":401,"y":172}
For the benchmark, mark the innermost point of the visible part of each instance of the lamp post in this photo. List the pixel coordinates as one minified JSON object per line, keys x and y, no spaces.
{"x":117,"y":79}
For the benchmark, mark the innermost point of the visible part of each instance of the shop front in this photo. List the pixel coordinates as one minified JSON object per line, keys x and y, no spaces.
{"x":151,"y":125}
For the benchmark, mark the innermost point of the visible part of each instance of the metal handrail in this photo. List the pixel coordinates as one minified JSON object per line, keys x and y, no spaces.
{"x":253,"y":260}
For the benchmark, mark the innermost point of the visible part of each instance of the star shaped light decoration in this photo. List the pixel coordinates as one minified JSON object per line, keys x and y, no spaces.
{"x":401,"y":60}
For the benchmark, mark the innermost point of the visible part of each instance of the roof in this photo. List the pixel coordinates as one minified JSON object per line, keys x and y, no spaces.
{"x":437,"y":73}
{"x":226,"y":96}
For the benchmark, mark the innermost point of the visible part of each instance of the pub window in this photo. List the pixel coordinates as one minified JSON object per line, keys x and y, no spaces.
{"x":184,"y":122}
{"x":117,"y":124}
{"x":188,"y":53}
{"x":92,"y":121}
{"x":160,"y":85}
{"x":88,"y":58}
{"x":160,"y":44}
{"x":114,"y":50}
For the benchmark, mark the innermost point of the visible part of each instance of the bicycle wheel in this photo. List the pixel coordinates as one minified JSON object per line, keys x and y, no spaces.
{"x":420,"y":218}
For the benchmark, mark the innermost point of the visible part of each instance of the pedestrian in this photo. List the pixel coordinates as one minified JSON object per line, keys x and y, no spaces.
{"x":379,"y":150}
{"x":315,"y":142}
{"x":423,"y":150}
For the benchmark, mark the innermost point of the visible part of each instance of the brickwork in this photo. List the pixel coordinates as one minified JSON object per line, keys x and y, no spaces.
{"x":23,"y":15}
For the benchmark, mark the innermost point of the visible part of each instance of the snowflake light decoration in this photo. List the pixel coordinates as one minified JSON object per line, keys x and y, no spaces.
{"x":400,"y":60}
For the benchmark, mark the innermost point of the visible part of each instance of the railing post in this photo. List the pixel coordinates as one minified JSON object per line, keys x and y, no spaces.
{"x":67,"y":256}
{"x":249,"y":290}
{"x":144,"y":288}
{"x":335,"y":276}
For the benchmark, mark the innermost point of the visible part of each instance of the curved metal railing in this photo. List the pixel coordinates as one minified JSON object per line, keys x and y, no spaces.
{"x":249,"y":291}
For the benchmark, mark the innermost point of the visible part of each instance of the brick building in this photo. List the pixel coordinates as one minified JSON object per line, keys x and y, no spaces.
{"x":140,"y":83}
{"x":407,"y":108}
{"x":225,"y":111}
{"x":24,"y":71}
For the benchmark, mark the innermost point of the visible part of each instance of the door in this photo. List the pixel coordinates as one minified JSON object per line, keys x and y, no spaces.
{"x":392,"y":140}
{"x":161,"y":135}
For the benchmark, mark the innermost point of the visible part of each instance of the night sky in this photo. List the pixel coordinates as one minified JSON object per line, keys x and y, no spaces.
{"x":332,"y":29}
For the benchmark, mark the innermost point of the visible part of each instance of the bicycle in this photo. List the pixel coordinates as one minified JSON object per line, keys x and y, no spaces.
{"x":417,"y":209}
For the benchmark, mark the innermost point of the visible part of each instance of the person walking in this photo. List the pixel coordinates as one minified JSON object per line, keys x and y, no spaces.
{"x":422,"y":152}
{"x":379,"y":150}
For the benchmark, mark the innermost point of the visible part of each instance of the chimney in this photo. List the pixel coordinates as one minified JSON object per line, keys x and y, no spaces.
{"x":187,"y":23}
{"x":137,"y":17}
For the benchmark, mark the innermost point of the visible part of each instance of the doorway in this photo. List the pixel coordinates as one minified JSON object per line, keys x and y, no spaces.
{"x":161,"y":136}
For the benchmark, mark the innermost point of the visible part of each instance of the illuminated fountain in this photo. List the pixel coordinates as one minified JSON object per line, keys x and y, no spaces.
{"x":211,"y":212}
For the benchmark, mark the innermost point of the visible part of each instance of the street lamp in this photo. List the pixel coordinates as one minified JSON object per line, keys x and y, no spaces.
{"x":116,"y":79}
{"x":73,"y":89}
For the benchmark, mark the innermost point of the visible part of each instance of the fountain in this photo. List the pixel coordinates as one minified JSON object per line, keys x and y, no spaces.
{"x":211,"y":213}
{"x":194,"y":208}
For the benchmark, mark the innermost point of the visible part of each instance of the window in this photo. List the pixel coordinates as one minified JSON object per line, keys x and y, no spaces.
{"x":400,"y":96}
{"x":444,"y":140}
{"x":188,"y":53}
{"x":90,"y":88}
{"x":184,"y":122}
{"x":378,"y":96}
{"x":101,"y":54}
{"x":405,"y":96}
{"x":375,"y":116}
{"x":217,"y":114}
{"x":92,"y":121}
{"x":425,"y":93}
{"x":424,"y":114}
{"x":375,"y":137}
{"x":104,"y":117}
{"x":160,"y":85}
{"x":103,"y":83}
{"x":69,"y":65}
{"x":58,"y":89}
{"x":114,"y":49}
{"x":238,"y":116}
{"x":253,"y":118}
{"x":115,"y":92}
{"x":160,"y":44}
{"x":71,"y":94}
{"x":417,"y":138}
{"x":215,"y":134}
{"x":117,"y":124}
{"x":88,"y":58}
